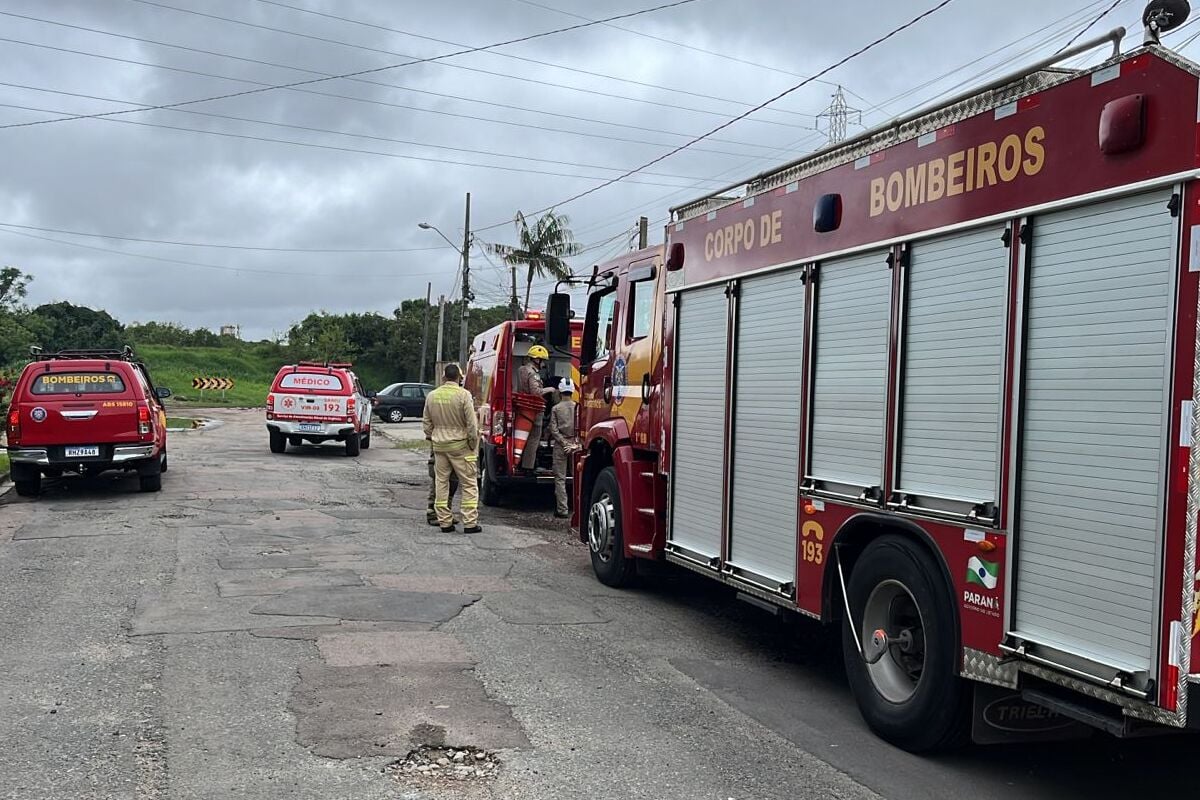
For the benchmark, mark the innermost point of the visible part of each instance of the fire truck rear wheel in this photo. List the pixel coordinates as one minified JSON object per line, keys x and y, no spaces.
{"x":489,"y":490}
{"x":278,"y":442}
{"x":912,"y":696}
{"x":353,"y":443}
{"x":605,"y":542}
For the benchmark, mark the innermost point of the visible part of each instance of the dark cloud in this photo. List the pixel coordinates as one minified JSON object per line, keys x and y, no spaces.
{"x":161,"y":183}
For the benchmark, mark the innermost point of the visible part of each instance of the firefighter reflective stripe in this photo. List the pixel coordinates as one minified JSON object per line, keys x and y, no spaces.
{"x":699,"y":424}
{"x":1095,"y":422}
{"x":957,"y":301}
{"x":850,"y":370}
{"x":766,"y":427}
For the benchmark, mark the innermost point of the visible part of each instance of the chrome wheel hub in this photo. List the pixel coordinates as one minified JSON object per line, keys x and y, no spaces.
{"x":601,"y":521}
{"x":893,"y":628}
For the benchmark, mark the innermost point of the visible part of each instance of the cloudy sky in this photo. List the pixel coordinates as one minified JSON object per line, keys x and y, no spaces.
{"x":273,"y":198}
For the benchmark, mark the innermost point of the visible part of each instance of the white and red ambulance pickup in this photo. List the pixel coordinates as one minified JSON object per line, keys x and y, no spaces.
{"x":315,"y":402}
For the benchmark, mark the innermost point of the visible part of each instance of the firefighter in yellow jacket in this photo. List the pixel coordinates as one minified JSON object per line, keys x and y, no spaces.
{"x":529,"y":381}
{"x":450,"y":424}
{"x":564,"y":443}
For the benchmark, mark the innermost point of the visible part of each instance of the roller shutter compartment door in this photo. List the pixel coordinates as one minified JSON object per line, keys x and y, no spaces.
{"x":954,"y":332}
{"x":766,"y":425}
{"x":850,"y":370}
{"x":1094,"y":423}
{"x":699,"y":425}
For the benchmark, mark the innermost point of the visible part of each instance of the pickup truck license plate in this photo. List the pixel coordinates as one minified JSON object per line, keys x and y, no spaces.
{"x":310,"y":427}
{"x":83,"y":452}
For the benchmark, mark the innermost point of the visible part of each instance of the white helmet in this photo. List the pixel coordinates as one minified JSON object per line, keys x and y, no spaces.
{"x":565,"y":386}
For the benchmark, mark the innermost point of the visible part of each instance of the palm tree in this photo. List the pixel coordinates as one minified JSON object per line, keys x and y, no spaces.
{"x":543,"y":249}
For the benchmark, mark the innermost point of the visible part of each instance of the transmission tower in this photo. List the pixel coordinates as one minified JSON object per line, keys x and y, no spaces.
{"x":839,"y":114}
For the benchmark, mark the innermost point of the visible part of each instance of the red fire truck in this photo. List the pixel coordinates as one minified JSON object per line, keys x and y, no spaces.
{"x":933,"y":385}
{"x":491,"y":377}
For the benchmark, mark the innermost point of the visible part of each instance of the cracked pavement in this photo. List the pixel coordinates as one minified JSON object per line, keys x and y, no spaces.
{"x":274,"y":626}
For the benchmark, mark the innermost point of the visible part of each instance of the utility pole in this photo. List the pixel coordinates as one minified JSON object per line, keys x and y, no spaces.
{"x":466,"y":285}
{"x":514,"y":303}
{"x":643,"y":233}
{"x":425,"y":332}
{"x":441,"y":330}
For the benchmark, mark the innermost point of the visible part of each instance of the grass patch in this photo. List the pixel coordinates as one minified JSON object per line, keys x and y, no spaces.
{"x":252,"y":368}
{"x":416,"y":445}
{"x":3,"y":463}
{"x":181,"y":422}
{"x":175,"y":367}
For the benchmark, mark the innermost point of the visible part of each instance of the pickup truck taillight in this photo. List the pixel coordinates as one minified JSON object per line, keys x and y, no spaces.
{"x":14,"y":427}
{"x":350,"y":409}
{"x":143,"y":420}
{"x":270,"y":402}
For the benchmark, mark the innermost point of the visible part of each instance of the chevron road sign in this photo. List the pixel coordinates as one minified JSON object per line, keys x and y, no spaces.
{"x":212,"y":383}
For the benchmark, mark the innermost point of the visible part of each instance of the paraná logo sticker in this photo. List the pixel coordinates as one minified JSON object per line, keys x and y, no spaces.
{"x":38,"y":414}
{"x":982,"y":572}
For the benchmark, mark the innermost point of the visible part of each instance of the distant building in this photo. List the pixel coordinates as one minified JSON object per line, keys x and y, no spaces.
{"x":232,"y":330}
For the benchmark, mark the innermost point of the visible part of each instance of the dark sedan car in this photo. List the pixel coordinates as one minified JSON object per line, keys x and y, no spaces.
{"x":402,"y":401}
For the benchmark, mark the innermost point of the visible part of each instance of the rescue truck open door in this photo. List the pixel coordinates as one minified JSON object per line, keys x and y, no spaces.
{"x":1094,"y":416}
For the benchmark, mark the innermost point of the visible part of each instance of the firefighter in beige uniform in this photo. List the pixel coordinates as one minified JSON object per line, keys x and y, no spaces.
{"x":564,"y":443}
{"x":450,"y":424}
{"x":529,"y":381}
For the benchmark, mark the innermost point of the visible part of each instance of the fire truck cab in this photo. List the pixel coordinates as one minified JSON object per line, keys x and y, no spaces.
{"x":495,"y":357}
{"x":935,"y":385}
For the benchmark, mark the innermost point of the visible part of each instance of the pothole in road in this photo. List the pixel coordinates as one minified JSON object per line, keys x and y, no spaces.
{"x":429,"y":765}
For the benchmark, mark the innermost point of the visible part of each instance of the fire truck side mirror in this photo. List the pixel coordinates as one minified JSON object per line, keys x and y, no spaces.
{"x":558,"y":320}
{"x":675,"y":257}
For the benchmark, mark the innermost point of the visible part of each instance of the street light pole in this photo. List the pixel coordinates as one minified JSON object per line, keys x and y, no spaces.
{"x":465,"y":255}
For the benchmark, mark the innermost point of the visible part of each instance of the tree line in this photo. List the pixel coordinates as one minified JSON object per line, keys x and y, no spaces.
{"x":381,"y":345}
{"x":385,"y":345}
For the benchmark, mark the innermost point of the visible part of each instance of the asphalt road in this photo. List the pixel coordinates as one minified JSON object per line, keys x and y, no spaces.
{"x":287,"y":626}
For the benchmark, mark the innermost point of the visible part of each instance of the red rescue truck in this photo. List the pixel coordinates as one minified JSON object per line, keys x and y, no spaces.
{"x":934,"y":385}
{"x":491,"y":377}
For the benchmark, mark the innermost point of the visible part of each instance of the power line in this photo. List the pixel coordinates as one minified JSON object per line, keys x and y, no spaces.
{"x":371,"y":137}
{"x":331,"y":147}
{"x":383,"y":103}
{"x":1089,"y":26}
{"x":356,"y":73}
{"x":224,"y":268}
{"x":683,"y":45}
{"x":555,"y":65}
{"x":256,"y":248}
{"x":729,"y":122}
{"x":479,"y":70}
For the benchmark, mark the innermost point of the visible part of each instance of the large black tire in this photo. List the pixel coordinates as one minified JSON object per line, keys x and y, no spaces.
{"x":914,"y":700}
{"x":150,"y":476}
{"x":27,"y":480}
{"x":395,"y":415}
{"x":164,"y":461}
{"x":489,"y":490}
{"x":366,"y":440}
{"x":606,"y":542}
{"x":353,"y":443}
{"x":278,"y":442}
